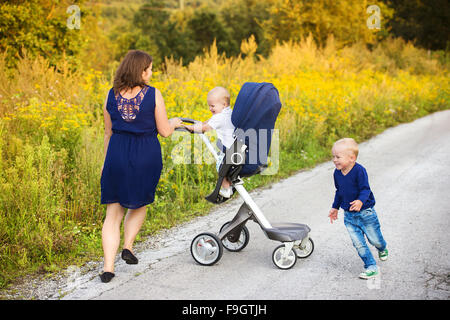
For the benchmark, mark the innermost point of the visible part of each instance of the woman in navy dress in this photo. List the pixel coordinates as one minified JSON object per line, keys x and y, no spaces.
{"x":134,"y":114}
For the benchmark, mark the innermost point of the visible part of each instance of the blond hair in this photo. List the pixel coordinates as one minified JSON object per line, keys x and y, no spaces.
{"x":349,"y":144}
{"x":221,"y":93}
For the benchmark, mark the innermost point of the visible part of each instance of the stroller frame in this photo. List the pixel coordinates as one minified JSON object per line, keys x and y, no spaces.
{"x":206,"y":248}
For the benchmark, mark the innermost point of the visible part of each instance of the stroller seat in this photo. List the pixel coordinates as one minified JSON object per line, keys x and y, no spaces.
{"x":287,"y":232}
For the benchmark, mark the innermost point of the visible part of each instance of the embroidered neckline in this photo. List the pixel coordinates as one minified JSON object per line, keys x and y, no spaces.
{"x":134,"y":96}
{"x":129,"y":108}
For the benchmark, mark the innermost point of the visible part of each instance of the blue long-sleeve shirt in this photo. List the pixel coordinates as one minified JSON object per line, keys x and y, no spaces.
{"x":353,"y":186}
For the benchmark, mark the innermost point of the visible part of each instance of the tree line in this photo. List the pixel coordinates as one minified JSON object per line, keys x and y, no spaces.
{"x":183,"y":28}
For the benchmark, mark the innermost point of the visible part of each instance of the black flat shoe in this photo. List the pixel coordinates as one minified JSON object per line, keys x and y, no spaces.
{"x":107,"y":276}
{"x":129,"y":257}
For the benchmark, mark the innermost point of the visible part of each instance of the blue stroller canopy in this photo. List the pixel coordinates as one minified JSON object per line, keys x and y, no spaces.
{"x":254,"y":114}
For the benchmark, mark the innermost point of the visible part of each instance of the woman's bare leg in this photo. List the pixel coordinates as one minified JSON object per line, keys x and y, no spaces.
{"x":133,"y":223}
{"x":111,"y":234}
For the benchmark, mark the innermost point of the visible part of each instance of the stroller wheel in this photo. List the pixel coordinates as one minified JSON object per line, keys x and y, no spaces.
{"x":306,"y":250}
{"x":231,"y":243}
{"x":282,"y":261}
{"x":206,"y":249}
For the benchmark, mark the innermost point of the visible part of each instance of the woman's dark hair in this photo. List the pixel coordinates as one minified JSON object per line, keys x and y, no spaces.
{"x":129,"y":72}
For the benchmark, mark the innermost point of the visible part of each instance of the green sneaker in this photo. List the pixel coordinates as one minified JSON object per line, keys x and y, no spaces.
{"x":383,"y":255}
{"x":368,"y":274}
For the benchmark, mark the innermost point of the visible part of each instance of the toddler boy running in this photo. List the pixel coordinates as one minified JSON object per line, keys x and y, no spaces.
{"x":353,"y":194}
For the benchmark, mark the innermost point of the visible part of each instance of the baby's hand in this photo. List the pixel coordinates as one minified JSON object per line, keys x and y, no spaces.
{"x":333,"y":215}
{"x":355,"y":205}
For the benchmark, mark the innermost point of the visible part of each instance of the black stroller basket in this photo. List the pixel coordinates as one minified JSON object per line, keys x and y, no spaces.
{"x":231,"y":167}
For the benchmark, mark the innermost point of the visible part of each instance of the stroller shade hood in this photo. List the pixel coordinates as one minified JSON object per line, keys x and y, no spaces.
{"x":254,"y":114}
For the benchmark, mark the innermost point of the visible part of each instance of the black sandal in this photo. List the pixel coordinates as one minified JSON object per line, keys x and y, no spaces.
{"x":107,"y":276}
{"x":129,"y":257}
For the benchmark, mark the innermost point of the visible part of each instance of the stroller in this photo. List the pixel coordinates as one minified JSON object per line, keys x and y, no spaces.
{"x":254,"y":115}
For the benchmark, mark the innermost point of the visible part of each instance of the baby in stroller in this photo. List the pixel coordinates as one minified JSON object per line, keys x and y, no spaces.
{"x":219,"y":104}
{"x":253,"y":117}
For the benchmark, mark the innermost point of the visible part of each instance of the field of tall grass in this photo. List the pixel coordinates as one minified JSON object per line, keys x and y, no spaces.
{"x":51,"y":134}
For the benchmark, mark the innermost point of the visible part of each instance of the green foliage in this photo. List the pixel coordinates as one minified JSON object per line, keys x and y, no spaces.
{"x":205,"y":27}
{"x":38,"y":26}
{"x":160,"y":36}
{"x":244,"y":18}
{"x":426,"y":22}
{"x":345,"y":20}
{"x":165,"y":30}
{"x":181,"y":35}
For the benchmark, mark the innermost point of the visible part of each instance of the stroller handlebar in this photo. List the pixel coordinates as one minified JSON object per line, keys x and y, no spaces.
{"x":188,"y":120}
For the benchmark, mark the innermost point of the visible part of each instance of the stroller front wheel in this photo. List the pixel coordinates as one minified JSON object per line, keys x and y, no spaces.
{"x":305,"y":250}
{"x":206,"y":249}
{"x":282,"y":259}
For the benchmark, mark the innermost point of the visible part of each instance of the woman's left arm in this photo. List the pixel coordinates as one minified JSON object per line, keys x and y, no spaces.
{"x":164,"y":126}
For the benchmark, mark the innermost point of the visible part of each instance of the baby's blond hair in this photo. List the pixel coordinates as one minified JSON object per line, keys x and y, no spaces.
{"x":221,"y":93}
{"x":350,"y":145}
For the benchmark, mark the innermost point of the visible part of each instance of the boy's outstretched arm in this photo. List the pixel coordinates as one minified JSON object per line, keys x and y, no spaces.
{"x":333,"y":215}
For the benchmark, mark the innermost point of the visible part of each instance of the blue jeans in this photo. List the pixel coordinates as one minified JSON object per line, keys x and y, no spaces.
{"x":365,"y":223}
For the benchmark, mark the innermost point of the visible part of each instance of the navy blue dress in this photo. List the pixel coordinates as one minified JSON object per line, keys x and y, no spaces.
{"x":133,"y":160}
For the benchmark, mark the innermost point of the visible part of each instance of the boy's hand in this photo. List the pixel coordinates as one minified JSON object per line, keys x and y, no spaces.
{"x":333,"y":214}
{"x":355,"y":205}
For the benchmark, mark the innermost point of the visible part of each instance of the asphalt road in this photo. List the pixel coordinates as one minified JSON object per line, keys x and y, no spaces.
{"x":409,"y":173}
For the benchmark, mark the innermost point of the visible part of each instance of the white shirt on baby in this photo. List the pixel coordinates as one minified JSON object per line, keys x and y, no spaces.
{"x":221,"y":122}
